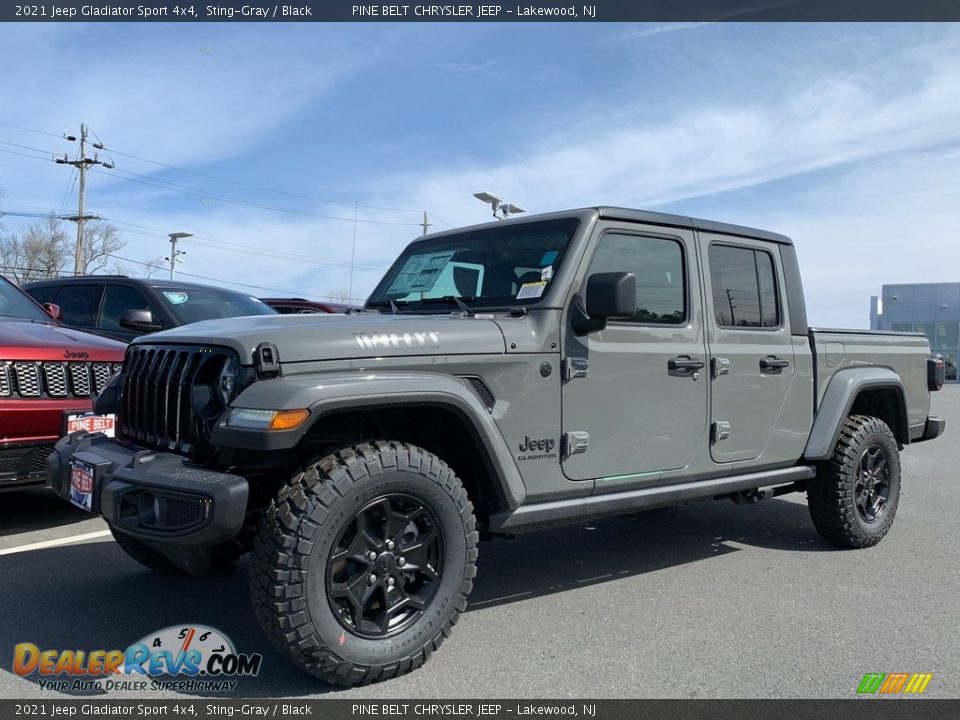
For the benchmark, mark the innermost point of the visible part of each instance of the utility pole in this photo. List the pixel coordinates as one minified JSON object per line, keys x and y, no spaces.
{"x":82,"y":163}
{"x":425,"y":223}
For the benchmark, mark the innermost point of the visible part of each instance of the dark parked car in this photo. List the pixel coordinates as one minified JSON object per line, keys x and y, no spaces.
{"x":298,"y":306}
{"x":124,"y":308}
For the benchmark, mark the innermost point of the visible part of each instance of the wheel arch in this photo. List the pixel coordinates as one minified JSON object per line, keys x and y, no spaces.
{"x":438,"y":412}
{"x":873,"y":391}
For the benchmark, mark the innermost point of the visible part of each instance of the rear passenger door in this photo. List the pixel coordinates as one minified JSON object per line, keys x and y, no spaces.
{"x":751,"y":350}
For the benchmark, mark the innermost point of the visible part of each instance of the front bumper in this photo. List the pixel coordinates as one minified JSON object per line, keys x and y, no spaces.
{"x":23,"y":465}
{"x":154,"y":496}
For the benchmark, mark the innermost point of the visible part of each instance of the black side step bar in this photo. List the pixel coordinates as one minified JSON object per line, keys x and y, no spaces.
{"x":559,"y":512}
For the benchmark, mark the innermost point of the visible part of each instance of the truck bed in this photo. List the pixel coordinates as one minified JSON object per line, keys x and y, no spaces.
{"x":905,"y":353}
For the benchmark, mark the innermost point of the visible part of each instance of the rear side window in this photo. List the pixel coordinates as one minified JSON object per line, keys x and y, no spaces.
{"x":658,"y":265}
{"x":744,"y":287}
{"x":42,"y":294}
{"x":79,"y":304}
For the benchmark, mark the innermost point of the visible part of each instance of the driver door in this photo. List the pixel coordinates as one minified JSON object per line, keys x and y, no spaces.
{"x":635,"y":391}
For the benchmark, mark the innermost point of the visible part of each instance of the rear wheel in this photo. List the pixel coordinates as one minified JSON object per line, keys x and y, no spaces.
{"x":854,"y":498}
{"x":364,"y":561}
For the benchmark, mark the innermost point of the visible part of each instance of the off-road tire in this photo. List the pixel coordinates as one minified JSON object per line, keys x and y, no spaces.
{"x":224,"y":556}
{"x":832,"y":494}
{"x":299,"y":532}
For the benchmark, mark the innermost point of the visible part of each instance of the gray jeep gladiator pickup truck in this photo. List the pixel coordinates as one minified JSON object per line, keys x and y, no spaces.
{"x":501,"y":378}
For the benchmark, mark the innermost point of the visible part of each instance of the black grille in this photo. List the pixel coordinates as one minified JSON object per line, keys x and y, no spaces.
{"x":35,"y":378}
{"x":24,"y":463}
{"x":169,"y":397}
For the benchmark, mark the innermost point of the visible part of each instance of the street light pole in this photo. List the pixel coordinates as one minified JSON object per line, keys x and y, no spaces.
{"x":174,"y":237}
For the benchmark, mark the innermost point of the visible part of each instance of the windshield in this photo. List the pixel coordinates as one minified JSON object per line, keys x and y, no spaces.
{"x":494,"y":267}
{"x":192,"y":304}
{"x":14,"y":303}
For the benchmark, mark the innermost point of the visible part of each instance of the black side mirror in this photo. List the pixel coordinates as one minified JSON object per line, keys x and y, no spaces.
{"x":608,"y":295}
{"x":139,"y":321}
{"x":53,"y":310}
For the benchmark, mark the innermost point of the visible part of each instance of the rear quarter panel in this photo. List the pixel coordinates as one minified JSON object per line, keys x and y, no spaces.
{"x":904,"y":353}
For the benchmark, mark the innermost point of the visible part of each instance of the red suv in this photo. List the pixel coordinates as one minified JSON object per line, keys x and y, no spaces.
{"x":48,"y":374}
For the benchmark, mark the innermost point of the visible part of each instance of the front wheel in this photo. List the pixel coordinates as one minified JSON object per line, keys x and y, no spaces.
{"x":363,"y":562}
{"x":853,"y":500}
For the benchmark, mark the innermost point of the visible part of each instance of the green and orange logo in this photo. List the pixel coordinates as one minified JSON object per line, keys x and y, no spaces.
{"x":894,"y":683}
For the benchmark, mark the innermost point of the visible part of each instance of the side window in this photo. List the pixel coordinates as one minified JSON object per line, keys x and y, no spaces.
{"x":119,"y":298}
{"x":42,"y":294}
{"x":744,"y":287}
{"x":79,"y":304}
{"x":659,"y":266}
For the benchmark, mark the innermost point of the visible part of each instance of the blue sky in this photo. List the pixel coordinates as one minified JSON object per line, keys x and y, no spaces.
{"x":846,"y":137}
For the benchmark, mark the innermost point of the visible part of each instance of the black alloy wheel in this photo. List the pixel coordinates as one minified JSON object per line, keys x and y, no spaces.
{"x":385,"y":567}
{"x":872,"y":486}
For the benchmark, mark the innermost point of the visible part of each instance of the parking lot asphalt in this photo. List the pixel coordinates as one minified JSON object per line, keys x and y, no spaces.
{"x":711,"y":600}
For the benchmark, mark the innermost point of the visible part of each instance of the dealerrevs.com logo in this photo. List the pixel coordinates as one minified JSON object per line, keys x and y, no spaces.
{"x":199,"y":658}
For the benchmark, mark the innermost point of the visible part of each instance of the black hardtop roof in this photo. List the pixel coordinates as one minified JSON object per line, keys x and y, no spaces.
{"x":644,"y":216}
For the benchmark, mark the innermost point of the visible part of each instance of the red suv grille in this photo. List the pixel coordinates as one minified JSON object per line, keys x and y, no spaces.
{"x":37,"y":379}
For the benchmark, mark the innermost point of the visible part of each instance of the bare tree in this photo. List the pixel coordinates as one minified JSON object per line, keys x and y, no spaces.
{"x":41,"y":252}
{"x":340,"y":294}
{"x":100,"y":242}
{"x":153,"y":265}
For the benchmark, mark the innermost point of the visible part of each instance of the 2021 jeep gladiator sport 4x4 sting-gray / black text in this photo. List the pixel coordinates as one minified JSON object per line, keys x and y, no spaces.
{"x":500,"y":378}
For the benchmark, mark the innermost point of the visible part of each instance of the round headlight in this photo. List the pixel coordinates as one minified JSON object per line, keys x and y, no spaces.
{"x":227,"y":382}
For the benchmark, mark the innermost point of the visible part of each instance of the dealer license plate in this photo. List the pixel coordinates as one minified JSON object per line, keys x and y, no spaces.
{"x":88,"y":422}
{"x":82,"y":483}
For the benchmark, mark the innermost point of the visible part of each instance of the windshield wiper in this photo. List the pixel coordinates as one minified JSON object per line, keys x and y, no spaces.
{"x":460,"y":302}
{"x":392,"y":304}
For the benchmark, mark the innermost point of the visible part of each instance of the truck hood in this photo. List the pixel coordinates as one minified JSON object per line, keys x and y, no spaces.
{"x":304,"y":338}
{"x":26,"y":340}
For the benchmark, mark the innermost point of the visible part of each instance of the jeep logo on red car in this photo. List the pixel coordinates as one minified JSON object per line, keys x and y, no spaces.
{"x":73,"y":355}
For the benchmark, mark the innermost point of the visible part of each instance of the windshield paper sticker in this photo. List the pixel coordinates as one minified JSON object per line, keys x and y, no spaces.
{"x":420,"y":273}
{"x":531,"y":290}
{"x":176,"y":298}
{"x":546,"y":273}
{"x":548,"y":257}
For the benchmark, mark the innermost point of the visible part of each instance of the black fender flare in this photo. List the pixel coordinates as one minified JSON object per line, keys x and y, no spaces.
{"x":325,"y":393}
{"x":838,"y":398}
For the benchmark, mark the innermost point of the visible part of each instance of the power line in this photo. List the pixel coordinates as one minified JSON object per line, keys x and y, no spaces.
{"x":230,"y":282}
{"x":32,"y":157}
{"x":437,"y":217}
{"x":235,"y":182}
{"x":258,"y":187}
{"x":197,"y":192}
{"x":39,"y":132}
{"x":26,"y":147}
{"x":71,"y":183}
{"x":203,"y":240}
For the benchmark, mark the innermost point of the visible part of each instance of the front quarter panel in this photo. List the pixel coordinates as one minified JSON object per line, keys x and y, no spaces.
{"x":326,"y":393}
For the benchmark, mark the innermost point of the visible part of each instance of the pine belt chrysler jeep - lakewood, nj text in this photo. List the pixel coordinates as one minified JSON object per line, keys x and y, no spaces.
{"x":500,"y":378}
